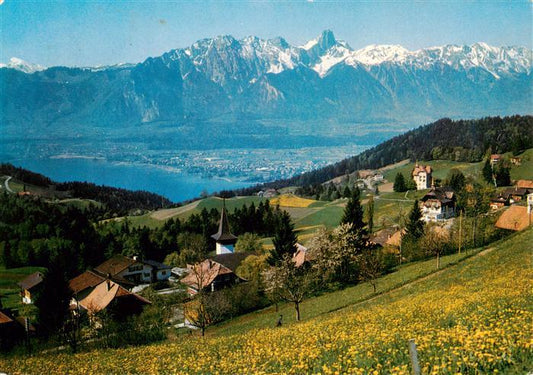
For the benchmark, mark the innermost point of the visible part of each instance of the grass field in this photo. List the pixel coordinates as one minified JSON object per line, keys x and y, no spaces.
{"x":525,"y":170}
{"x":469,"y":318}
{"x":308,"y":213}
{"x":9,"y":290}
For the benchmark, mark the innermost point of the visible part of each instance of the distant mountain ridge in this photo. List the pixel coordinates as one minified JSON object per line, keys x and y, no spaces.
{"x":230,"y":80}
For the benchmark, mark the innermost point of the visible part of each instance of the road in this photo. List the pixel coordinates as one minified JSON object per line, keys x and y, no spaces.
{"x":6,"y":184}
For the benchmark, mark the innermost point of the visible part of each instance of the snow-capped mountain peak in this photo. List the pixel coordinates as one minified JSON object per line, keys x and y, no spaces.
{"x":23,"y":66}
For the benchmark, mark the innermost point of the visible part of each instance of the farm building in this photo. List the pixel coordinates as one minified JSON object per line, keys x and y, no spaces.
{"x":29,"y":285}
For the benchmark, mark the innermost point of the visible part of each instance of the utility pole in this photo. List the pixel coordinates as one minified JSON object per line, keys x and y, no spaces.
{"x":460,"y":230}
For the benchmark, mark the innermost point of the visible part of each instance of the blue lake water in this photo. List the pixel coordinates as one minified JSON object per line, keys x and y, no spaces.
{"x":176,"y":186}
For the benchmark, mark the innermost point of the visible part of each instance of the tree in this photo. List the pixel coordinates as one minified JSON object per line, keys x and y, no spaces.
{"x":455,"y":179}
{"x":284,"y":240}
{"x":370,"y":267}
{"x":248,"y":242}
{"x":399,"y":183}
{"x":288,"y":283}
{"x":335,"y":253}
{"x":434,"y":243}
{"x":52,"y":301}
{"x":415,"y":226}
{"x":370,"y":214}
{"x":252,"y":268}
{"x":487,"y":171}
{"x":173,"y":259}
{"x":347,"y":192}
{"x":204,"y":309}
{"x":502,"y":175}
{"x":353,"y":212}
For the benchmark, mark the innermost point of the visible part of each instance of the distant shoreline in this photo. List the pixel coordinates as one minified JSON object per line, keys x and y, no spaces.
{"x":74,"y":156}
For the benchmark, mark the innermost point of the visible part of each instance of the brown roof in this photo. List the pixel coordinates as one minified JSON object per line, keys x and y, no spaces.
{"x":115,"y":265}
{"x":31,"y":280}
{"x":90,"y":279}
{"x":381,"y":237}
{"x":528,"y":184}
{"x":104,"y":293}
{"x":4,"y":318}
{"x":442,"y":194}
{"x":514,"y":218}
{"x":301,"y":255}
{"x":396,"y":238}
{"x":203,"y":274}
{"x":421,"y":168}
{"x":231,"y":260}
{"x":224,"y":233}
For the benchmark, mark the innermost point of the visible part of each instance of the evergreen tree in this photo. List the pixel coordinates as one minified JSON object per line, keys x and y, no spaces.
{"x":399,"y":183}
{"x":415,"y":226}
{"x":370,"y":214}
{"x":353,"y":212}
{"x":284,"y":240}
{"x":347,"y":192}
{"x":53,"y":299}
{"x":487,"y":171}
{"x":456,"y":180}
{"x":503,"y":176}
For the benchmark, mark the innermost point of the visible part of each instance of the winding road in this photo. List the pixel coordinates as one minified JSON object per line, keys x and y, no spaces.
{"x":6,"y":184}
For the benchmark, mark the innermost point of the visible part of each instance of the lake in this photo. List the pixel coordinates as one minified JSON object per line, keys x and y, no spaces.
{"x":177,"y":186}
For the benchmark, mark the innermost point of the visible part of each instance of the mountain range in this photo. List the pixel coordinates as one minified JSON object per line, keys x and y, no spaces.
{"x":225,"y":80}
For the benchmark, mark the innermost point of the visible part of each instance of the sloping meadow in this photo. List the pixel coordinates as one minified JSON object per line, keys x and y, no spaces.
{"x":471,"y":318}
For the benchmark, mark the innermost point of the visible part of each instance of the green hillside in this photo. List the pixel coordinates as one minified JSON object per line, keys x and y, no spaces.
{"x":468,"y":318}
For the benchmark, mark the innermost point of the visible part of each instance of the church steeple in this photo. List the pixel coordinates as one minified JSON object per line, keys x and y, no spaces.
{"x":224,"y":238}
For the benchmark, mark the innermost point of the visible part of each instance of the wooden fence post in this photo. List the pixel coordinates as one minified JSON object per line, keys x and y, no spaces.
{"x":414,"y":357}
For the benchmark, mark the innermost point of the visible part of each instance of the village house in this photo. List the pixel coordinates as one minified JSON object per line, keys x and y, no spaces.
{"x":134,"y":270}
{"x":527,"y":184}
{"x":515,"y":218}
{"x":438,"y":204}
{"x":529,"y":202}
{"x":495,"y":159}
{"x":30,"y":286}
{"x":516,"y":194}
{"x":12,"y":329}
{"x":422,"y":175}
{"x":499,"y":202}
{"x":516,"y":160}
{"x":113,"y":298}
{"x":268,"y":193}
{"x":209,"y":275}
{"x":385,"y":237}
{"x":85,"y":283}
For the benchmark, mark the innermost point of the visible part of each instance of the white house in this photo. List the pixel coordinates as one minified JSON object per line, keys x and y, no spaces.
{"x":133,"y":269}
{"x":422,"y":175}
{"x":438,"y":204}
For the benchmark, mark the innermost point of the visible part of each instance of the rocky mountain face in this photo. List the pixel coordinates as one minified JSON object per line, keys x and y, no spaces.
{"x":228,"y":80}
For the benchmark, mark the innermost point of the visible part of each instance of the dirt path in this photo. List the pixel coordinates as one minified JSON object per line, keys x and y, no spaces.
{"x":171,"y":212}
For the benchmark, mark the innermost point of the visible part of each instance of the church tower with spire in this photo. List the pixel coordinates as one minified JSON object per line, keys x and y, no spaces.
{"x":224,"y":239}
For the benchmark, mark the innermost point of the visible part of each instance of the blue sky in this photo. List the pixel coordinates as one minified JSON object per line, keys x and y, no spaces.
{"x":90,"y":33}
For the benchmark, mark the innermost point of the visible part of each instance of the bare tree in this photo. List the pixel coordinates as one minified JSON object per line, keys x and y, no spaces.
{"x":289,"y":283}
{"x":202,"y":310}
{"x":434,"y":242}
{"x":370,"y":267}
